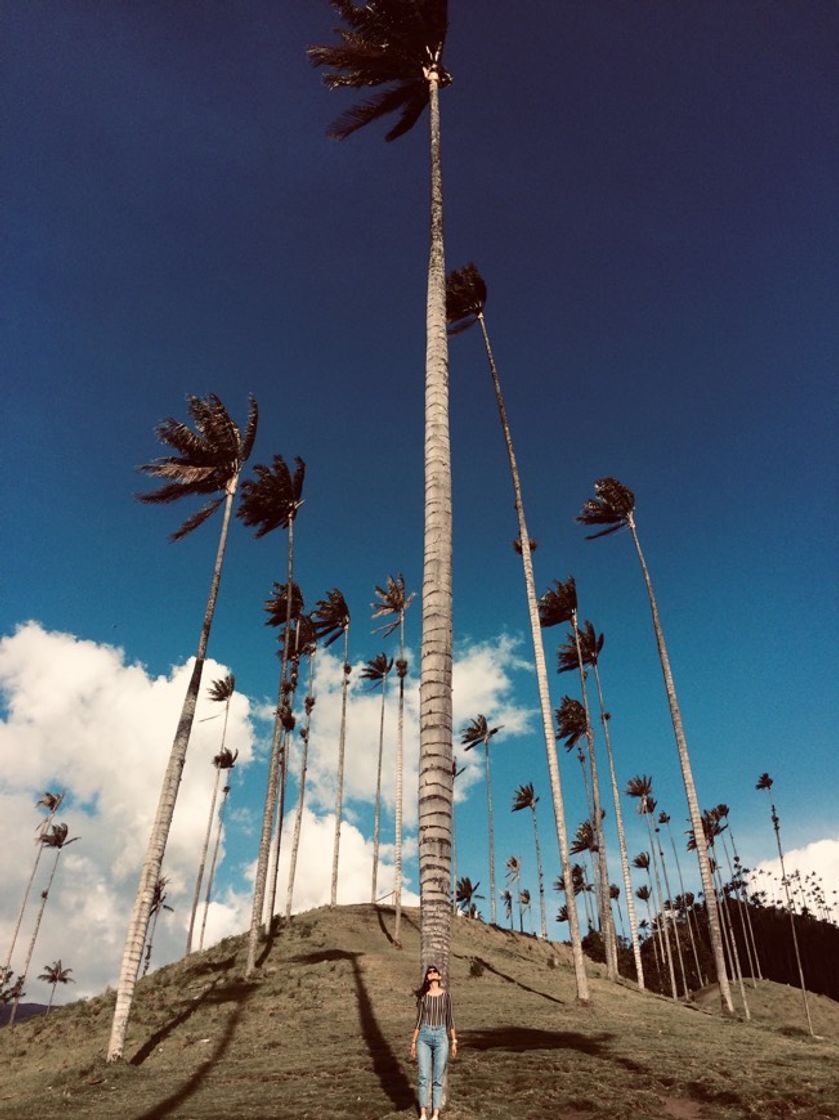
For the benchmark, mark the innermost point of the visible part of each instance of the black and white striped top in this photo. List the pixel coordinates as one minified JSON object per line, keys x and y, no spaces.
{"x":435,"y":1011}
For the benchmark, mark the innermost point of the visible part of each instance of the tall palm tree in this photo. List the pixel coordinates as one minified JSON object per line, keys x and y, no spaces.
{"x":158,"y":905}
{"x":525,"y":798}
{"x":456,"y":772}
{"x":641,"y":787}
{"x":644,"y":894}
{"x":308,"y":705}
{"x":573,"y":724}
{"x":225,"y":760}
{"x":51,"y":802}
{"x":208,"y":460}
{"x":524,"y":905}
{"x":221,"y":692}
{"x":737,"y":874}
{"x":466,"y":295}
{"x":56,"y":839}
{"x":400,"y":45}
{"x":586,"y":644}
{"x":664,"y":819}
{"x":507,"y":899}
{"x":331,"y":618}
{"x":53,"y":974}
{"x":392,"y":602}
{"x":272,"y":501}
{"x":614,"y":506}
{"x":478,"y":731}
{"x":764,"y":782}
{"x":377,"y":670}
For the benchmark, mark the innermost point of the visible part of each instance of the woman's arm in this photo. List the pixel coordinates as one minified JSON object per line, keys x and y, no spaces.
{"x":416,"y":1028}
{"x":450,"y":1023}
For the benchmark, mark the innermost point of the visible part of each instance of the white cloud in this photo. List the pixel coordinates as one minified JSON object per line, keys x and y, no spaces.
{"x":813,"y":867}
{"x":78,"y":717}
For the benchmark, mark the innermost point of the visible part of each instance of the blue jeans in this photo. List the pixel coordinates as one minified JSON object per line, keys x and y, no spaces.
{"x":432,"y":1056}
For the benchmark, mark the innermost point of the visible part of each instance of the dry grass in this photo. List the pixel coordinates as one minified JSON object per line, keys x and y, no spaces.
{"x":323,"y":1032}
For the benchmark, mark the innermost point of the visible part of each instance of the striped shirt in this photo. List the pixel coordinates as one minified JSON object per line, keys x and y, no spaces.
{"x":435,"y":1011}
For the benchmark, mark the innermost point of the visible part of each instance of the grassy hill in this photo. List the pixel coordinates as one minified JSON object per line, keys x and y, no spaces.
{"x":323,"y":1034}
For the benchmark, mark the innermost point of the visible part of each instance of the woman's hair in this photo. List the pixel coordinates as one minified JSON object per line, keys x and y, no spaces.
{"x":423,"y":988}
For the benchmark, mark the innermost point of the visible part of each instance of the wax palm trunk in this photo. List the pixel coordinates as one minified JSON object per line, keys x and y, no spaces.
{"x":674,"y":924}
{"x":225,"y":793}
{"x":153,"y":861}
{"x":601,"y":879}
{"x":301,"y":793}
{"x":664,"y":921}
{"x":542,"y":683}
{"x":542,"y":913}
{"x":275,"y":767}
{"x":624,"y":856}
{"x":731,"y":942}
{"x":377,"y":814}
{"x":401,"y":669}
{"x":689,"y":912}
{"x":42,"y":829}
{"x":339,"y":792}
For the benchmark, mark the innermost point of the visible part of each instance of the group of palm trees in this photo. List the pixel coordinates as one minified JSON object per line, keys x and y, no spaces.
{"x":395,"y":48}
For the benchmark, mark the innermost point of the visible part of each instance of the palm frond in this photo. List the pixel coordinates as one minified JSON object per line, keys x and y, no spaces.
{"x":393,"y":600}
{"x":478,"y":731}
{"x":377,"y":668}
{"x":571,"y":721}
{"x":612,"y":505}
{"x":331,"y":617}
{"x":558,"y":604}
{"x":246,"y":446}
{"x":524,"y":798}
{"x":197,"y":519}
{"x":277,"y":606}
{"x":222,"y":689}
{"x":272,"y":499}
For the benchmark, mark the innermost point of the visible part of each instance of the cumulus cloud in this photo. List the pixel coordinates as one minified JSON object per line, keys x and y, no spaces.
{"x":82,"y":718}
{"x":812,"y":869}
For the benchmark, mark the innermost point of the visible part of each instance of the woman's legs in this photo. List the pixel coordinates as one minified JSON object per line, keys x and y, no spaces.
{"x":423,"y":1068}
{"x":439,"y":1060}
{"x":432,"y":1057}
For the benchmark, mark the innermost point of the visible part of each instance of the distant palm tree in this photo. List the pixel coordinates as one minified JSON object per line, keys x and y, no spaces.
{"x":466,"y":295}
{"x":51,"y":802}
{"x":220,"y":691}
{"x":586,"y":643}
{"x":573,"y":725}
{"x":663,"y":818}
{"x":306,"y":647}
{"x":644,"y":894}
{"x":737,"y":886}
{"x":764,"y":782}
{"x":393,"y":601}
{"x":158,"y":905}
{"x":272,"y":501}
{"x":401,"y":45}
{"x":465,"y":893}
{"x":55,"y":838}
{"x":54,"y":974}
{"x":377,"y":671}
{"x":507,"y":899}
{"x":614,"y":506}
{"x":478,"y":731}
{"x":525,"y":798}
{"x":208,"y":460}
{"x":524,"y":905}
{"x":224,"y":760}
{"x":331,"y":618}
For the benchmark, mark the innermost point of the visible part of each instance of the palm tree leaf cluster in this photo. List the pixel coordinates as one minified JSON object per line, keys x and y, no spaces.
{"x":612,"y":505}
{"x":386,"y":42}
{"x":206,"y":460}
{"x":466,"y":296}
{"x":272,"y":499}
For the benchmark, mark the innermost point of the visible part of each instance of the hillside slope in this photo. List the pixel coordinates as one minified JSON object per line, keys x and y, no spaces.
{"x":323,"y":1034}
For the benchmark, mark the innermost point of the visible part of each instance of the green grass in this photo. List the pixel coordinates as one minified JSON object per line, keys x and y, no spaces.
{"x":323,"y":1033}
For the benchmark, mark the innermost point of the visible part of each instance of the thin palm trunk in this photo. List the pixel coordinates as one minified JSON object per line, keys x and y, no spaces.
{"x":401,"y":669}
{"x":260,"y":880}
{"x":542,"y":912}
{"x":377,"y":816}
{"x":491,"y":834}
{"x":624,"y":857}
{"x":32,"y":940}
{"x":435,"y":764}
{"x":776,"y":824}
{"x":339,"y":793}
{"x":604,"y":905}
{"x":225,"y":793}
{"x":136,"y":936}
{"x":150,"y":942}
{"x":301,"y":793}
{"x":663,"y":920}
{"x":689,"y":911}
{"x":671,"y":918}
{"x":728,"y":933}
{"x":581,"y":979}
{"x":738,"y":867}
{"x":199,"y":878}
{"x":690,"y":785}
{"x":42,"y":829}
{"x":740,"y":915}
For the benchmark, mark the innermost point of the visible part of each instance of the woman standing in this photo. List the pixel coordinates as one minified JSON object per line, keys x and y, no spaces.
{"x":430,"y":1044}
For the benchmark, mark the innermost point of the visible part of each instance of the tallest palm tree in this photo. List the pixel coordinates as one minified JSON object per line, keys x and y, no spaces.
{"x":398,"y":44}
{"x":614,"y":506}
{"x":207,"y":460}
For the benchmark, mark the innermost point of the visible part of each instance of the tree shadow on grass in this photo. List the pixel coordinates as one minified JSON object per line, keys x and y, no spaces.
{"x":386,"y":1065}
{"x":241,"y":993}
{"x":487,"y":967}
{"x":518,"y":1040}
{"x":213,"y":994}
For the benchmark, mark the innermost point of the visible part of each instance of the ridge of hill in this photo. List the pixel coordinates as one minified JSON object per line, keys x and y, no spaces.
{"x":322,"y":1033}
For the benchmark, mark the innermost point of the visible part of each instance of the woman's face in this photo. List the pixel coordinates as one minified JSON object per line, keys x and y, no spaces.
{"x":432,"y":975}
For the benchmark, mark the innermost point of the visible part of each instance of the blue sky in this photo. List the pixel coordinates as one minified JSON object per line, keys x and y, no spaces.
{"x":649,"y":191}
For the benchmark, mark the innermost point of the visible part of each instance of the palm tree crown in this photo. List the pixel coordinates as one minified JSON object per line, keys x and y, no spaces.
{"x":331,"y":617}
{"x":271,"y":501}
{"x":207,"y":460}
{"x":524,"y":797}
{"x":377,"y":668}
{"x":559,"y":604}
{"x":466,"y":296}
{"x":764,"y":782}
{"x":478,"y":731}
{"x":398,"y":43}
{"x":221,"y":690}
{"x":571,"y":721}
{"x":612,"y":505}
{"x":591,"y":643}
{"x":393,"y":600}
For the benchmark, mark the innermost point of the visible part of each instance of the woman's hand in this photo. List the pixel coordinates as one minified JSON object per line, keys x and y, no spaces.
{"x":413,"y":1051}
{"x":454,"y":1047}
